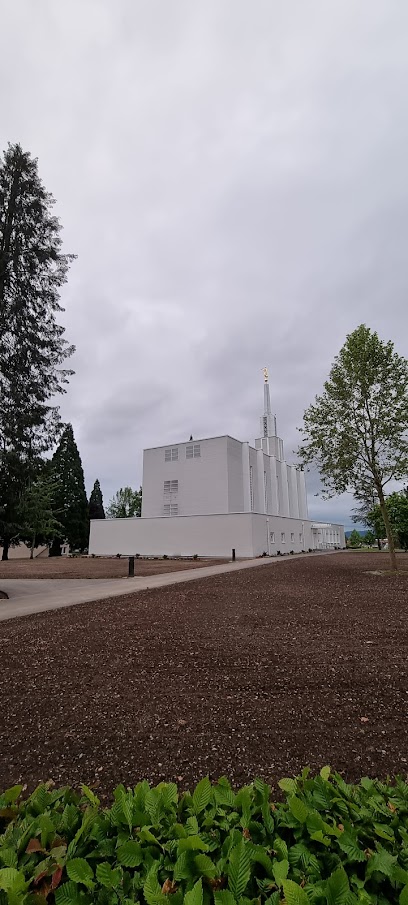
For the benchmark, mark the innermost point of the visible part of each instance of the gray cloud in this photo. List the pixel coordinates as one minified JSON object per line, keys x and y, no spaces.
{"x":233,"y":179}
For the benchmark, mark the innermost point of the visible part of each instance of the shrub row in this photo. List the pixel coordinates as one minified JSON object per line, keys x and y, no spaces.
{"x":326,"y":842}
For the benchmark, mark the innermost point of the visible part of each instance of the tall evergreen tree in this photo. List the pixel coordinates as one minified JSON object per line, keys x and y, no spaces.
{"x":70,"y":500}
{"x":96,"y":509}
{"x":32,"y":346}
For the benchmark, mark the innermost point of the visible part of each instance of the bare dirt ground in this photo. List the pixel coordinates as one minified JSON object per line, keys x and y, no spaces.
{"x":100,"y":567}
{"x":254,"y":673}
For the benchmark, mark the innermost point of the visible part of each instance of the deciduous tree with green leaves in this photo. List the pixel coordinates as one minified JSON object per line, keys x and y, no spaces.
{"x":96,"y":509}
{"x":397,"y":508}
{"x":126,"y":503}
{"x":356,"y":432}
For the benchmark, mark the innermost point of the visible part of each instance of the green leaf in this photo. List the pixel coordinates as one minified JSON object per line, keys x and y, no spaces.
{"x":224,"y":897}
{"x":68,"y":894}
{"x":349,"y":844}
{"x":130,"y":854}
{"x":298,"y":808}
{"x":205,"y":866}
{"x":337,"y":888}
{"x":325,"y":773}
{"x":147,"y":836}
{"x":259,"y":856}
{"x":280,"y":847}
{"x":108,"y":876}
{"x":192,"y":826}
{"x":152,"y":890}
{"x":192,"y":843}
{"x":80,"y":871}
{"x":384,"y":832}
{"x":10,"y":795}
{"x":239,"y":869}
{"x":382,"y":862}
{"x":9,"y":857}
{"x":90,"y":795}
{"x":202,"y":795}
{"x":403,"y":898}
{"x":288,"y":785}
{"x":12,"y":880}
{"x":195,"y":895}
{"x":294,"y":894}
{"x":280,"y":871}
{"x":183,"y":869}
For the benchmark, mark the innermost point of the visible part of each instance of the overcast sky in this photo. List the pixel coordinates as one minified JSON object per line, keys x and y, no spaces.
{"x":233,"y":178}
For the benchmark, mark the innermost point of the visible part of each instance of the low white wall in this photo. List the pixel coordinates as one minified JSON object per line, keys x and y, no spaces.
{"x":204,"y":535}
{"x":250,"y":534}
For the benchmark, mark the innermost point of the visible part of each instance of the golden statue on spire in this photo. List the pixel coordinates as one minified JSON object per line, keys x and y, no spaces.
{"x":265,"y":374}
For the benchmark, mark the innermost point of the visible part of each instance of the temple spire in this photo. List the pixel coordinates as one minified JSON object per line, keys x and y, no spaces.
{"x":268,"y":421}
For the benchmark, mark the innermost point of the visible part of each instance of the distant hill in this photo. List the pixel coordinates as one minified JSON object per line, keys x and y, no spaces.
{"x":362,"y":531}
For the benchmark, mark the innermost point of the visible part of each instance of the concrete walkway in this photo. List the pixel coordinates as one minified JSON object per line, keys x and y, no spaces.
{"x":39,"y":595}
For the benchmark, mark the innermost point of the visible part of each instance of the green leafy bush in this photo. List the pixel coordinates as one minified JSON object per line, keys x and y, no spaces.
{"x":327,"y":842}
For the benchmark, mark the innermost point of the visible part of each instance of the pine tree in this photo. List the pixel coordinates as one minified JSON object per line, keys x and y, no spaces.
{"x":70,"y":500}
{"x":96,"y":509}
{"x":32,"y":345}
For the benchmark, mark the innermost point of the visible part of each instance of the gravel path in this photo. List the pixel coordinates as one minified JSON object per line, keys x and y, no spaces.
{"x":257,"y":672}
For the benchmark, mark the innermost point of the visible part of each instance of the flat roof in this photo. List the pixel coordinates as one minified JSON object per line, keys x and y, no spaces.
{"x":189,"y":442}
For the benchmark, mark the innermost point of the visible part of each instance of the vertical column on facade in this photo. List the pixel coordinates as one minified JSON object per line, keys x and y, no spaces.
{"x":302,"y":496}
{"x":260,"y":479}
{"x":273,"y":485}
{"x":245,"y":477}
{"x":293,"y":492}
{"x":285,"y":489}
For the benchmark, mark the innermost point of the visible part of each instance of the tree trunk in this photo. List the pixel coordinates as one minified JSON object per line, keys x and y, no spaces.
{"x":6,"y":545}
{"x":32,"y":547}
{"x":388,"y":529}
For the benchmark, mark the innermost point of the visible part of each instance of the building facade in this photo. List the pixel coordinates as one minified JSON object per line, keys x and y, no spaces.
{"x":210,"y":496}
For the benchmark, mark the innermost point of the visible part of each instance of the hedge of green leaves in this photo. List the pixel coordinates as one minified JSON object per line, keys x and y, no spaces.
{"x":325,"y":842}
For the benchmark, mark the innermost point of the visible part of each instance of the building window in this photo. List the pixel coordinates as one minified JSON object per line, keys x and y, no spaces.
{"x":300,"y":537}
{"x":292,"y":537}
{"x":171,"y":486}
{"x":265,"y":492}
{"x":283,"y":539}
{"x":171,"y":455}
{"x":272,"y":537}
{"x":193,"y":451}
{"x":251,"y":486}
{"x":171,"y":509}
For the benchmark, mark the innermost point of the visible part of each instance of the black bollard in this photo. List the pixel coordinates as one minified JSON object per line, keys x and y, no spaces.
{"x":233,"y":554}
{"x":131,"y":573}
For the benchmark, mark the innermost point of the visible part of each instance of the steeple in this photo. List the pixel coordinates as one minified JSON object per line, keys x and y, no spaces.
{"x":268,"y":421}
{"x":269,"y":441}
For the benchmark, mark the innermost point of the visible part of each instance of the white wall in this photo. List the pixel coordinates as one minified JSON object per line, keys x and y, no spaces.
{"x":202,"y":482}
{"x":206,"y":535}
{"x":212,"y":535}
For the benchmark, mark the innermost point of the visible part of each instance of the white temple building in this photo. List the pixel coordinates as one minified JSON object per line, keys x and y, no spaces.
{"x":211,"y":496}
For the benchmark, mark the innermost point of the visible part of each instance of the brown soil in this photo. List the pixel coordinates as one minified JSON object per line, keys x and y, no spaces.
{"x":253,"y":673}
{"x":100,"y":567}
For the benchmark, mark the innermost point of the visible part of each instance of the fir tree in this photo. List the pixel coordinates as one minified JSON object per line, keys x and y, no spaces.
{"x":71,"y":504}
{"x":96,"y":509}
{"x":32,"y":345}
